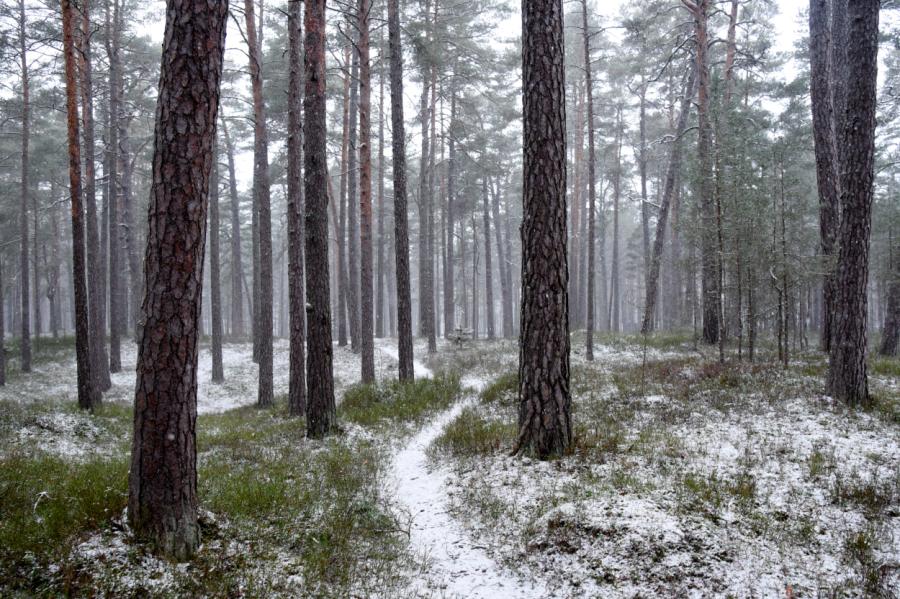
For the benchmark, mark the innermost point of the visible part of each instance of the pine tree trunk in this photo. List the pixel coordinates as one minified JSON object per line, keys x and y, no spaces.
{"x":320,"y":409}
{"x":592,"y":192}
{"x":262,"y":204}
{"x":352,"y":167}
{"x":162,"y":500}
{"x":88,"y":393}
{"x":342,"y":279}
{"x":891,"y":333}
{"x":401,"y":227}
{"x":215,"y":279}
{"x":296,"y":299}
{"x":2,"y":331}
{"x":847,"y":376}
{"x":503,"y":263}
{"x":615,"y":279}
{"x":380,"y":266}
{"x":366,"y":332}
{"x":545,"y":425}
{"x":237,"y":268}
{"x":129,"y":232}
{"x":25,"y":342}
{"x":112,"y":185}
{"x":449,"y":299}
{"x":488,"y":271}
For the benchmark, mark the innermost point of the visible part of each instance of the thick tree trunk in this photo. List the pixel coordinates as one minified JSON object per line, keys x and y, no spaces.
{"x":25,"y":341}
{"x":296,"y":299}
{"x":401,"y":228}
{"x":88,"y":394}
{"x":262,"y":204}
{"x":320,"y":409}
{"x":366,"y":332}
{"x":237,"y":268}
{"x":847,"y":377}
{"x":215,"y":279}
{"x":652,"y":287}
{"x":162,"y":500}
{"x":488,"y":271}
{"x":545,"y":425}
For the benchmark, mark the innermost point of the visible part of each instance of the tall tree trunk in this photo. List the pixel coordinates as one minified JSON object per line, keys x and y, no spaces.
{"x":237,"y":268}
{"x":97,"y":302}
{"x":847,"y":377}
{"x":215,"y":280}
{"x":488,"y":271}
{"x":380,"y":267}
{"x":112,"y":186}
{"x":296,"y":299}
{"x":430,"y":294}
{"x":576,"y":281}
{"x":891,"y":333}
{"x":652,"y":286}
{"x":88,"y":394}
{"x":162,"y":500}
{"x":320,"y":410}
{"x":401,"y":228}
{"x":2,"y":331}
{"x":449,"y":300}
{"x":424,"y":198}
{"x":129,"y":232}
{"x":366,"y":342}
{"x":342,"y":279}
{"x":262,"y":203}
{"x":25,"y":342}
{"x":615,"y":282}
{"x":352,"y":167}
{"x":592,"y":192}
{"x":503,"y":262}
{"x":545,"y":424}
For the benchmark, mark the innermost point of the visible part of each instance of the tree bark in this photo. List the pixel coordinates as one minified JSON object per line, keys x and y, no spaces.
{"x":380,"y":268}
{"x":592,"y":192}
{"x":488,"y":271}
{"x":162,"y":500}
{"x":342,"y":280}
{"x":401,"y":227}
{"x":237,"y":268}
{"x":112,"y":185}
{"x":891,"y":334}
{"x":215,"y":280}
{"x":2,"y":331}
{"x":352,"y":167}
{"x":262,"y":203}
{"x":320,"y":409}
{"x":296,"y":299}
{"x":545,"y":424}
{"x":449,"y":299}
{"x":847,"y":376}
{"x":25,"y":341}
{"x":88,"y":393}
{"x":366,"y":332}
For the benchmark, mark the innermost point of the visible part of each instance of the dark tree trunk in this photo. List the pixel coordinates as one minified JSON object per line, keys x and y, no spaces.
{"x":88,"y":393}
{"x":847,"y":377}
{"x":97,"y":302}
{"x":545,"y":424}
{"x":826,"y":153}
{"x":891,"y":333}
{"x":401,"y":228}
{"x":488,"y":271}
{"x":162,"y":500}
{"x":652,"y":287}
{"x":320,"y":410}
{"x":215,"y":279}
{"x":366,"y":332}
{"x":380,"y":267}
{"x":112,"y":186}
{"x":25,"y":342}
{"x":237,"y":268}
{"x":296,"y":300}
{"x":262,"y":204}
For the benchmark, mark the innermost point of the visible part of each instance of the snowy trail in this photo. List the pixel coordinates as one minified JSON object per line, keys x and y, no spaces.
{"x":456,"y":566}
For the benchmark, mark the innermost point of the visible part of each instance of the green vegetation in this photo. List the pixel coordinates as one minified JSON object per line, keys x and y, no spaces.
{"x":470,"y":434}
{"x":389,"y":403}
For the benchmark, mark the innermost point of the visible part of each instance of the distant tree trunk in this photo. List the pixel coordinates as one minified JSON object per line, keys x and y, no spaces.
{"x":320,"y":410}
{"x":503,"y":263}
{"x":672,"y":169}
{"x":449,"y":299}
{"x":430,"y":293}
{"x":112,"y":186}
{"x":474,"y":277}
{"x":847,"y":377}
{"x":827,"y":175}
{"x":352,"y":167}
{"x":162,"y":500}
{"x":424,"y":197}
{"x":891,"y":333}
{"x":88,"y":393}
{"x":488,"y":271}
{"x":262,"y":203}
{"x":615,"y":291}
{"x":129,"y":232}
{"x":592,"y":192}
{"x":380,"y":268}
{"x":545,"y":425}
{"x":296,"y":299}
{"x":366,"y":343}
{"x":401,"y":228}
{"x":52,"y":269}
{"x":2,"y":331}
{"x":342,"y":279}
{"x":25,"y":343}
{"x":237,"y":268}
{"x":96,"y":295}
{"x":215,"y":280}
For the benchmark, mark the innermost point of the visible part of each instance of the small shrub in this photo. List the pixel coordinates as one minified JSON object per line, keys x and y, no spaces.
{"x":399,"y":402}
{"x":502,"y":390}
{"x":470,"y":434}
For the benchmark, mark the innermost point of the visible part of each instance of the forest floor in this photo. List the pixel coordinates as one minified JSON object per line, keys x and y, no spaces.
{"x":688,"y":479}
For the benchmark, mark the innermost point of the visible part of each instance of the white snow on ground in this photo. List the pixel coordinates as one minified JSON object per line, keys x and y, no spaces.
{"x":456,"y":565}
